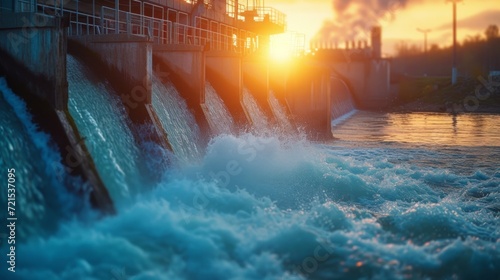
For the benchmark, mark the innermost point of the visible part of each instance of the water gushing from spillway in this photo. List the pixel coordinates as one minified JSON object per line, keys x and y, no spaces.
{"x":280,"y":113}
{"x":263,"y":207}
{"x":41,"y":190}
{"x":179,"y":123}
{"x":103,"y":125}
{"x":217,"y":113}
{"x":342,"y":103}
{"x":257,"y":116}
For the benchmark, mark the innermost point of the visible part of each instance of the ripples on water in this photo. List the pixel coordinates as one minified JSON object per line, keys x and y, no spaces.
{"x":425,"y":129}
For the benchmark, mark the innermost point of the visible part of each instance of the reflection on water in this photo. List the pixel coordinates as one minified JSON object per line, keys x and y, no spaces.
{"x":472,"y":130}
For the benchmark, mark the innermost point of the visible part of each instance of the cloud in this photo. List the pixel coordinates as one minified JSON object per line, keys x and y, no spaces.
{"x":478,"y":22}
{"x":354,"y":18}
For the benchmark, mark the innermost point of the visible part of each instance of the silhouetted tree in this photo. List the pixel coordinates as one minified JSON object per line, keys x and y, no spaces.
{"x":434,"y":48}
{"x":405,"y":49}
{"x":491,"y":32}
{"x":473,"y":39}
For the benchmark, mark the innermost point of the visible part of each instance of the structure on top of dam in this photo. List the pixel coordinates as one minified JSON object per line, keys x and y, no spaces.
{"x":359,"y":63}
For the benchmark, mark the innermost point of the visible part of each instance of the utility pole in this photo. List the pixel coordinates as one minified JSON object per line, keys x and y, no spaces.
{"x":425,"y":31}
{"x":426,"y":59}
{"x":454,"y":71}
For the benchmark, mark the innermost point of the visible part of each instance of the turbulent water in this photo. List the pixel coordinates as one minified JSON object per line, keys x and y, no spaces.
{"x":374,"y":207}
{"x":182,"y":131}
{"x":22,"y":148}
{"x":218,"y":116}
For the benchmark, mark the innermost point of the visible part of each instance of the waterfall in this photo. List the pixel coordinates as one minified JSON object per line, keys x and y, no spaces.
{"x":280,"y":113}
{"x":41,"y":185}
{"x":216,"y":112}
{"x":103,"y":124}
{"x":342,"y":104}
{"x":255,"y":113}
{"x":182,"y":131}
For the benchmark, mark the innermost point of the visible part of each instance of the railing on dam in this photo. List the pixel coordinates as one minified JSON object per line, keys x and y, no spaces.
{"x":18,"y":6}
{"x":270,"y":14}
{"x":161,"y":31}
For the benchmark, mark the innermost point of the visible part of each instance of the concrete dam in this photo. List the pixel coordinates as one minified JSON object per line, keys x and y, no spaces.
{"x":126,"y":89}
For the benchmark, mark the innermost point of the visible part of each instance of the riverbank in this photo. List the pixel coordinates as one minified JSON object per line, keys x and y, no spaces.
{"x":436,"y":94}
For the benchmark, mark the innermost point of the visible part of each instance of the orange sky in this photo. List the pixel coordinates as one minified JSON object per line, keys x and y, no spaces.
{"x":307,"y":16}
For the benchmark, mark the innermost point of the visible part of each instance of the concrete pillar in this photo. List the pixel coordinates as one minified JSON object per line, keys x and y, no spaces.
{"x":186,"y":65}
{"x":29,"y":43}
{"x":224,"y":70}
{"x":256,"y":78}
{"x":308,"y":97}
{"x":369,"y":81}
{"x":278,"y":80}
{"x":127,"y":63}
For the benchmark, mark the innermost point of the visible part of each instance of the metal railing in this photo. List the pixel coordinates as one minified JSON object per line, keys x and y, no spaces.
{"x":181,"y":5}
{"x":79,"y":23}
{"x":161,"y":31}
{"x":166,"y":32}
{"x":18,"y":6}
{"x":270,"y":14}
{"x":231,"y":12}
{"x":25,"y":5}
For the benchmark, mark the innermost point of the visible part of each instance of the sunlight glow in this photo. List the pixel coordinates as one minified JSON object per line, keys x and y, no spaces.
{"x":285,"y":46}
{"x":281,"y":48}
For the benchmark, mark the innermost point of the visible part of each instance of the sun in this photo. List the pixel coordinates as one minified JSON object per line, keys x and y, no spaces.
{"x":281,"y":47}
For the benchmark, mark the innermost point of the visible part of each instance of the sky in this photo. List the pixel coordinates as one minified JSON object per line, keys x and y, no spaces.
{"x":399,"y":24}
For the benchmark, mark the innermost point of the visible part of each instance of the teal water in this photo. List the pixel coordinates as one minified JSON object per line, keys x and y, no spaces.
{"x":280,"y":114}
{"x":45,"y":194}
{"x":101,"y":120}
{"x":255,"y":113}
{"x":218,"y":117}
{"x":178,"y":122}
{"x":397,"y":196}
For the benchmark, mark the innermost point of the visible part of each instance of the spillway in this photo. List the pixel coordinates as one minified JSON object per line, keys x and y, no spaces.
{"x":280,"y":113}
{"x":216,"y":112}
{"x":40,"y":188}
{"x":177,"y":120}
{"x":103,"y":124}
{"x":257,"y":116}
{"x":342,"y":103}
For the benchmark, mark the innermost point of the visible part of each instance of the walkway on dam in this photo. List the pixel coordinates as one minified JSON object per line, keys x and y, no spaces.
{"x":164,"y":25}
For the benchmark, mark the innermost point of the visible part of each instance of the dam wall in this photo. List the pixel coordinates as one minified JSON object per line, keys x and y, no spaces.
{"x":29,"y":43}
{"x":33,"y":49}
{"x":224,"y":71}
{"x":128,"y":57}
{"x":184,"y":65}
{"x":256,"y":78}
{"x":308,"y":97}
{"x":369,"y":81}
